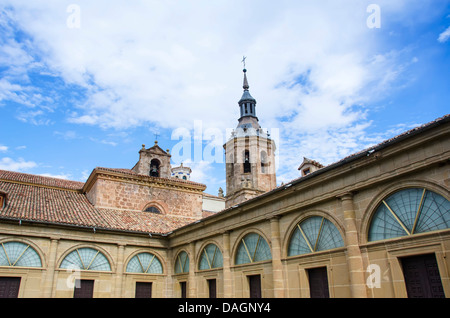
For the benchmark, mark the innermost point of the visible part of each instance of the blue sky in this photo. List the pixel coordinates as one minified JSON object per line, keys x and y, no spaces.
{"x":86,"y":83}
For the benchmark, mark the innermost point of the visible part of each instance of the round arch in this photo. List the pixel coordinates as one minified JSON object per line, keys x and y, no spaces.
{"x":390,"y":190}
{"x":181,"y":262}
{"x":162,"y":207}
{"x":302,"y":217}
{"x":312,"y":232}
{"x":145,"y":259}
{"x":28,"y":254}
{"x":210,"y":256}
{"x":89,"y":255}
{"x":257,"y":249}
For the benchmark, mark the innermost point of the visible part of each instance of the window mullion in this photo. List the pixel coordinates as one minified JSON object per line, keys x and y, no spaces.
{"x":318,"y":234}
{"x":418,"y":211}
{"x":306,"y":239}
{"x":248,"y":253}
{"x":149,"y":264}
{"x":20,"y":255}
{"x":81,"y":260}
{"x":7,"y":257}
{"x":397,"y":218}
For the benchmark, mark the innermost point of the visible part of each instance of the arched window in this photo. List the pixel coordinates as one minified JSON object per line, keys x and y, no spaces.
{"x":252,"y":248}
{"x":152,"y":209}
{"x":182,"y":263}
{"x":19,"y":254}
{"x":146,"y":263}
{"x":211,"y":257}
{"x":314,"y":234}
{"x":247,"y":166}
{"x":408,"y":212}
{"x":154,"y":168}
{"x":86,"y":258}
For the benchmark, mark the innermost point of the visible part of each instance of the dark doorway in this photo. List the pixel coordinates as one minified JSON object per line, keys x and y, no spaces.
{"x":9,"y":287}
{"x":254,"y":282}
{"x":84,"y":288}
{"x":143,"y":290}
{"x":183,"y":289}
{"x":212,"y":288}
{"x":318,"y":282}
{"x":422,"y":278}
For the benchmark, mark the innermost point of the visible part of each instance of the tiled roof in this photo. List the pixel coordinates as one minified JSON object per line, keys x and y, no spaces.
{"x":40,"y":180}
{"x":54,"y":201}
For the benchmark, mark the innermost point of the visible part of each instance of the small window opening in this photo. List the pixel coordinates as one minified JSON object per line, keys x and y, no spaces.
{"x":152,"y":209}
{"x":247,"y":166}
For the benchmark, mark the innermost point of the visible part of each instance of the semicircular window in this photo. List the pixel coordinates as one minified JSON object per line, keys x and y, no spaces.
{"x":152,"y":209}
{"x":314,"y":234}
{"x":211,"y":258}
{"x":182,"y":263}
{"x":252,"y":248}
{"x":19,"y":254}
{"x":409,"y":211}
{"x":146,"y":263}
{"x":86,"y":258}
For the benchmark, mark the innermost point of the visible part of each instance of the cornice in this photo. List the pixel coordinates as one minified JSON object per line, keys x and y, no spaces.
{"x":142,"y":180}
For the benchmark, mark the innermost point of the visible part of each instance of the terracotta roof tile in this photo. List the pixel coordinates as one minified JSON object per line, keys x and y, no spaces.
{"x":47,"y":201}
{"x":40,"y":180}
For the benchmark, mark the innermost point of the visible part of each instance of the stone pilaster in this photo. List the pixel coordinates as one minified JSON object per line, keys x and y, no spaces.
{"x":354,"y":258}
{"x":119,"y":270}
{"x":50,"y":275}
{"x":277,"y":266}
{"x":227,"y":280}
{"x":192,"y":288}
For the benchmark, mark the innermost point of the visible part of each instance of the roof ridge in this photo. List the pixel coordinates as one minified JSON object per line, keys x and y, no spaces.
{"x":21,"y":177}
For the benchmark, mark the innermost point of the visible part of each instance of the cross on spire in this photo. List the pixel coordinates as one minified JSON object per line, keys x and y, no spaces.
{"x":243,"y":61}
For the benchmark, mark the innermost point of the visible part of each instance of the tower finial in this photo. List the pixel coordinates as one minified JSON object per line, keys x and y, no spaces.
{"x":245,"y":86}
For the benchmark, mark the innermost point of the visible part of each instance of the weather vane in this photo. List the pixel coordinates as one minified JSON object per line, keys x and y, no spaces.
{"x":243,"y":60}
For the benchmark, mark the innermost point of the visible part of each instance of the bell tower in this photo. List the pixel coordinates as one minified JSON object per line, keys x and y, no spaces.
{"x":154,"y":162}
{"x":249,"y":155}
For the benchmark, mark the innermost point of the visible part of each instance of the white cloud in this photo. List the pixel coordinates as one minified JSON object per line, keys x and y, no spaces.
{"x":444,"y":36}
{"x":57,"y":176}
{"x":312,"y":68}
{"x":67,"y":135}
{"x":20,"y":164}
{"x":3,"y":148}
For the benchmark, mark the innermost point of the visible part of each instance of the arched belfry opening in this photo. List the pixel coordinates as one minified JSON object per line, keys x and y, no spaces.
{"x":154,"y":168}
{"x":247,"y":165}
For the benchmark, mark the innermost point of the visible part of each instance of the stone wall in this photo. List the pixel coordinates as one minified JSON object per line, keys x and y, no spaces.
{"x":120,"y":194}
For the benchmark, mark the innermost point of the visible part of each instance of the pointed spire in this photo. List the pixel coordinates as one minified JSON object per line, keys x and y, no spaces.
{"x":245,"y":86}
